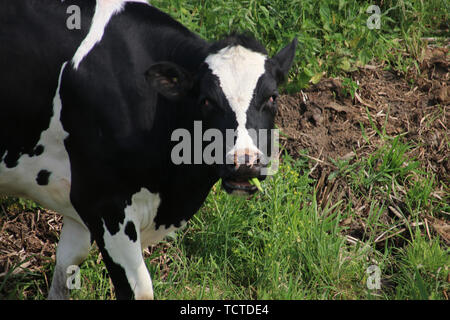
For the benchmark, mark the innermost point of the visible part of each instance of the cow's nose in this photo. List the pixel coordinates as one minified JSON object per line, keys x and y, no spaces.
{"x":246,"y":158}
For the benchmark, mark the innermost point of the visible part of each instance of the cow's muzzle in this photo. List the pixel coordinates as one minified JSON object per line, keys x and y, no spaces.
{"x":242,"y":171}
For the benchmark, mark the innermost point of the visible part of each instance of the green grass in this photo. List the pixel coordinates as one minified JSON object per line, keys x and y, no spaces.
{"x":333,"y":35}
{"x":288,"y":242}
{"x":283,"y":244}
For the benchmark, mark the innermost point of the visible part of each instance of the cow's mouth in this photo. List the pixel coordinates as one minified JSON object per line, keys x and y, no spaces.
{"x":238,"y":186}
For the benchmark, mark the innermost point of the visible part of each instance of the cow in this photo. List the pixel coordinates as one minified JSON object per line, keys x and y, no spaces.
{"x":88,"y":109}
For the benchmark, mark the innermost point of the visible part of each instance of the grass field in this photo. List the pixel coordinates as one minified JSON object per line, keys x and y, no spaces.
{"x":295,"y":240}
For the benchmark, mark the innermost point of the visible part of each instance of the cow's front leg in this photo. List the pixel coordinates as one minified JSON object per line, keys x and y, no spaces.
{"x":122,"y":254}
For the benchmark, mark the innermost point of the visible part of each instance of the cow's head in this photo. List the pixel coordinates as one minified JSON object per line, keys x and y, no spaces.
{"x":234,"y":91}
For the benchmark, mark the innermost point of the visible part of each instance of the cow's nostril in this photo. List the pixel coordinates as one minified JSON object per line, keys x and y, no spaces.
{"x":246,"y":158}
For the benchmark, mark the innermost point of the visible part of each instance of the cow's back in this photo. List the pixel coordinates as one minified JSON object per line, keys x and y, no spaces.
{"x":34,"y":43}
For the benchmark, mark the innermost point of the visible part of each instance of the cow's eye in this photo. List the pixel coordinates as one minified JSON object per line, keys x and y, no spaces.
{"x":207,"y":106}
{"x":271,"y":103}
{"x":273,"y":98}
{"x":206,"y":103}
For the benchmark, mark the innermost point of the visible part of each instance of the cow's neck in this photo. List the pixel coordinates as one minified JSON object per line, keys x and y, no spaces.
{"x":186,"y":50}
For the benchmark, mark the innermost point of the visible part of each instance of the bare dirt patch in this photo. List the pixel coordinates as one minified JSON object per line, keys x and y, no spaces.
{"x":27,"y":236}
{"x":327,"y":122}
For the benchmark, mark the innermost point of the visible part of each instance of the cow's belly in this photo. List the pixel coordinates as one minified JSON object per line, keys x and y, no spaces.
{"x":44,"y":178}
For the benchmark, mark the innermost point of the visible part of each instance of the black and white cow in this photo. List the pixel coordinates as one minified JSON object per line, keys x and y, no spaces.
{"x":87,"y":116}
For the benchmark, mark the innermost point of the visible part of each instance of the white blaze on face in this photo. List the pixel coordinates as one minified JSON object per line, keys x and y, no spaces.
{"x":238,"y":70}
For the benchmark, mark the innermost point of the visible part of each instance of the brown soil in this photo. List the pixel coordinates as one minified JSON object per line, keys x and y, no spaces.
{"x":27,"y":243}
{"x":326,"y":122}
{"x":321,"y":120}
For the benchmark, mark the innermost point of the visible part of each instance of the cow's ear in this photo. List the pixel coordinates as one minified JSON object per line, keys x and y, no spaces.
{"x":284,"y":60}
{"x":170,"y":80}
